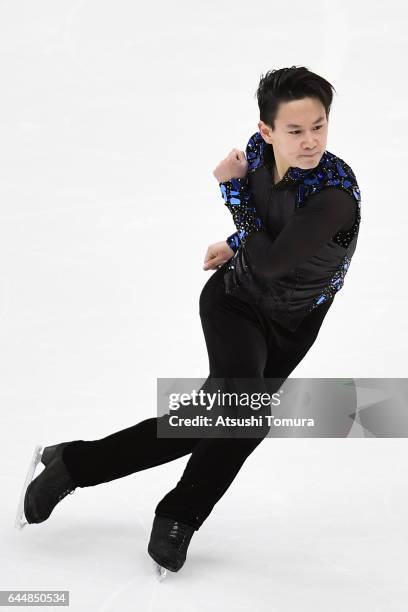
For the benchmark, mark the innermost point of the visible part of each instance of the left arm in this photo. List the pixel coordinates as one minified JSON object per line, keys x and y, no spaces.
{"x":312,"y":225}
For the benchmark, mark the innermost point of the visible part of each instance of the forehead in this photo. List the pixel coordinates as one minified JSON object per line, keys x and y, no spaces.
{"x":300,"y":112}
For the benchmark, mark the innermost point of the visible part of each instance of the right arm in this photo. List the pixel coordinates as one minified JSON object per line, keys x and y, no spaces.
{"x":237,"y":198}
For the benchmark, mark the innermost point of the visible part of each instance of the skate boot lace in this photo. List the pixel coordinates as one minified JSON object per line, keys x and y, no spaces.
{"x":65,"y":493}
{"x":70,"y":488}
{"x":178,"y":534}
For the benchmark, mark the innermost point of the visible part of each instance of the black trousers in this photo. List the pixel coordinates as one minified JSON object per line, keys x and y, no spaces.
{"x":241,"y":342}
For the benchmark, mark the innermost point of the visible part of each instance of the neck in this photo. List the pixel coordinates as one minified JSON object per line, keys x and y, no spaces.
{"x":280,"y":169}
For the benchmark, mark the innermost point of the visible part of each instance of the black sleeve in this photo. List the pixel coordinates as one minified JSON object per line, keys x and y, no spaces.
{"x":311,"y":226}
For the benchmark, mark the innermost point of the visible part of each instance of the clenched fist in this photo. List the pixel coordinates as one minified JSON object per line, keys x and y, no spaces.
{"x":234,"y":165}
{"x":216,"y":255}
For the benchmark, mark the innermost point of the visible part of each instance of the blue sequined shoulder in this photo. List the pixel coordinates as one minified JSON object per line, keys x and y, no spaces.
{"x":255,"y":151}
{"x":331,"y":172}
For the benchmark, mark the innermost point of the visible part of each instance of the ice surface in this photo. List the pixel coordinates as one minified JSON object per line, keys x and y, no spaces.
{"x":113,"y":117}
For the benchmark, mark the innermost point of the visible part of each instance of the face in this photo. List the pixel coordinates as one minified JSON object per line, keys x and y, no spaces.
{"x":300,"y":129}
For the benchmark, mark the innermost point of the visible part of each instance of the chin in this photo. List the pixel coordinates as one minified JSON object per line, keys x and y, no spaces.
{"x":306,"y":163}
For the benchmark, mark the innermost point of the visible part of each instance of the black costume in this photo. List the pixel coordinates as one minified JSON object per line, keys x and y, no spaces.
{"x":299,"y":248}
{"x":295,"y":240}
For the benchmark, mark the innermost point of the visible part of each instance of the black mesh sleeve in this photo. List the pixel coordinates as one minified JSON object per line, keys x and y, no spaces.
{"x":312,"y":225}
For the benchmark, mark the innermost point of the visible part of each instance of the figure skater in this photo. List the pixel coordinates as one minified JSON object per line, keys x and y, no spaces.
{"x":296,"y":209}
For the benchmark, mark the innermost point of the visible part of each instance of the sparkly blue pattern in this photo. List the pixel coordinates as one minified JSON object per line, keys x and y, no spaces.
{"x":237,"y":196}
{"x":331,"y":172}
{"x":235,"y":240}
{"x":335,"y":284}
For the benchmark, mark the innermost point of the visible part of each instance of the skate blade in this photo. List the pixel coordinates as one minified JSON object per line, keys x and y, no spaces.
{"x":20,"y":521}
{"x":161,"y":572}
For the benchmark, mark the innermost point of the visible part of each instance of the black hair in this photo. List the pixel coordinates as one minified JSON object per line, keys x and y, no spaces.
{"x":286,"y":84}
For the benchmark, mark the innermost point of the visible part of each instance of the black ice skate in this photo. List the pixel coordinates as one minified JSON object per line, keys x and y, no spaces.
{"x":40,"y":496}
{"x":169,"y":542}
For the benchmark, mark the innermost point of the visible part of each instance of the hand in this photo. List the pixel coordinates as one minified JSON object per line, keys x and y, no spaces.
{"x":216,"y":255}
{"x":234,"y":165}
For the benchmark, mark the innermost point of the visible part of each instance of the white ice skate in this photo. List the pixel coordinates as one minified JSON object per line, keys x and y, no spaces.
{"x":20,"y":521}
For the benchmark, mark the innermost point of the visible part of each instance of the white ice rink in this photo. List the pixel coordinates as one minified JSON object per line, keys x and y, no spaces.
{"x":113,"y":116}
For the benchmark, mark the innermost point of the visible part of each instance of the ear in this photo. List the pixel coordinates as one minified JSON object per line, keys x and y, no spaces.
{"x":264,"y":131}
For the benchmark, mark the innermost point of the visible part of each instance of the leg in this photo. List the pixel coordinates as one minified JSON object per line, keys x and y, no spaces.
{"x":241,"y":343}
{"x":290,"y":347}
{"x":138,"y":447}
{"x":124,"y":452}
{"x":237,"y":347}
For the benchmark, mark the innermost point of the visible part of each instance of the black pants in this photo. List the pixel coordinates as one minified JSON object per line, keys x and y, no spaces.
{"x":241,"y":342}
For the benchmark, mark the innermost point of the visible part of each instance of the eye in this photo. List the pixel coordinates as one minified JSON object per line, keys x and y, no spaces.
{"x":297,"y":131}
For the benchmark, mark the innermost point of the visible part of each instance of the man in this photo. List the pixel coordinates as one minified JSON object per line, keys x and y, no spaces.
{"x":296,"y":208}
{"x":297,"y":140}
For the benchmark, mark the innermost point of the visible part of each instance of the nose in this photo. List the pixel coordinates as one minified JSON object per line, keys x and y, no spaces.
{"x":310,"y":145}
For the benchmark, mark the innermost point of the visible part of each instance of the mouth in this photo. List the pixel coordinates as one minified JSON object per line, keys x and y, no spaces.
{"x":312,"y":155}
